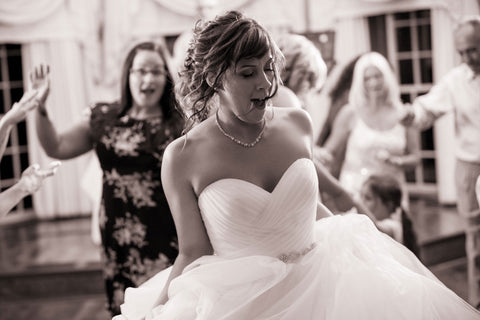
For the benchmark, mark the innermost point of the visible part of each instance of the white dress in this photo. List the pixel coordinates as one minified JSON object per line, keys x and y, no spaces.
{"x":363,"y":156}
{"x":273,"y":261}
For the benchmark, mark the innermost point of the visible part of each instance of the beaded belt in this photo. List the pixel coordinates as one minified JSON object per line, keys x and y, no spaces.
{"x":295,"y":255}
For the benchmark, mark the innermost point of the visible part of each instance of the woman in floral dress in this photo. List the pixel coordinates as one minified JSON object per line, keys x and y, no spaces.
{"x":129,"y":137}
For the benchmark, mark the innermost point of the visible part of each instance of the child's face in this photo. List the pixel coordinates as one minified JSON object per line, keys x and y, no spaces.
{"x":379,"y":209}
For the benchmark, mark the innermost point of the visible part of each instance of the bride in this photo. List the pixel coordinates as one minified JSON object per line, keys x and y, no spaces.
{"x":244,"y":196}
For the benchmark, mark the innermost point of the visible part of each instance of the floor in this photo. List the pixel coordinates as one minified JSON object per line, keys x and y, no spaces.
{"x":51,"y":269}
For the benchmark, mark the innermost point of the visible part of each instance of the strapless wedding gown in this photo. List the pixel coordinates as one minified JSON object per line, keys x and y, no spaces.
{"x":273,"y":261}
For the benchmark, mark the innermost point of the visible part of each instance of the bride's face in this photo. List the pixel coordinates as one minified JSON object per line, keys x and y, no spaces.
{"x":246,"y":86}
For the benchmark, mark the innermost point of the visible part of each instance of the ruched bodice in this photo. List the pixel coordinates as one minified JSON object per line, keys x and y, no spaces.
{"x":242,"y":218}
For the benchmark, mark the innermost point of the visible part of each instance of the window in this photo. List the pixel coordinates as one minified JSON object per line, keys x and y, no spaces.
{"x":405,"y":39}
{"x":15,"y":159}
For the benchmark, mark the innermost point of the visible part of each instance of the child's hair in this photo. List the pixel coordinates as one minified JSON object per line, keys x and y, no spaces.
{"x":389,"y":191}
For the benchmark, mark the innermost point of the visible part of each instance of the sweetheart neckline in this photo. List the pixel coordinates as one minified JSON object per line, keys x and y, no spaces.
{"x":251,"y":183}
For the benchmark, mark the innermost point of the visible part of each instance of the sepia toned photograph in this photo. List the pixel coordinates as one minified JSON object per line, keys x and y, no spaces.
{"x":240,"y":159}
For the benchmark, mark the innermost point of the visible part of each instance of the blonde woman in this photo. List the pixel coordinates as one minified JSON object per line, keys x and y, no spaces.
{"x":369,"y":127}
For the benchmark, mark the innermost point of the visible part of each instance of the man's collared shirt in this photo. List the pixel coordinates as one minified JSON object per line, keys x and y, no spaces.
{"x":459,"y":92}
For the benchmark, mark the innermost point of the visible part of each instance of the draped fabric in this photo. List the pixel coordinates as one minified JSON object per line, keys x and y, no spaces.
{"x":444,"y":59}
{"x":62,"y":34}
{"x":62,"y":195}
{"x":352,"y":38}
{"x":25,"y":12}
{"x":190,"y":7}
{"x":274,"y":261}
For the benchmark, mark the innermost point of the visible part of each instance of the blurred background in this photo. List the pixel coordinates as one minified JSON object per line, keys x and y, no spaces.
{"x":49,"y":254}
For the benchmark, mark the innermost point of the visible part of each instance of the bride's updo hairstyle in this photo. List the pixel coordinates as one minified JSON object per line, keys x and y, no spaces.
{"x":216,"y":46}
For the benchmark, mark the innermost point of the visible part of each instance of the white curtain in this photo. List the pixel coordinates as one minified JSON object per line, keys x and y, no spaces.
{"x":64,"y":35}
{"x":190,"y":7}
{"x":351,"y":38}
{"x":61,"y":195}
{"x":21,"y":12}
{"x":444,"y":128}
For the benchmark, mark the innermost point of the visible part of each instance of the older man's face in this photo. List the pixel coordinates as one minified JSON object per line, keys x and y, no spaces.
{"x":467,"y":43}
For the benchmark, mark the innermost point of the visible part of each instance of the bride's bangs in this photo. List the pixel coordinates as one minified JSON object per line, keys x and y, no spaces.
{"x":254,"y":44}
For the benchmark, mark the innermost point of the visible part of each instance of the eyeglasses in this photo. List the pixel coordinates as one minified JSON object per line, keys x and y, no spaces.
{"x":156,"y":73}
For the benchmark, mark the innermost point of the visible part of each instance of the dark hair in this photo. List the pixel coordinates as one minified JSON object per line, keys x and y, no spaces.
{"x":216,"y":46}
{"x":388,"y":189}
{"x":344,"y":80}
{"x":167,"y":101}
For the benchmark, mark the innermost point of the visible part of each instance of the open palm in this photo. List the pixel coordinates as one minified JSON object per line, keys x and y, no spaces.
{"x":41,"y":82}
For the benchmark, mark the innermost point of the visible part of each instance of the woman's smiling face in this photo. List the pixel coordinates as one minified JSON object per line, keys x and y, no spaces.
{"x":246,"y":86}
{"x":373,"y":79}
{"x":147,"y":78}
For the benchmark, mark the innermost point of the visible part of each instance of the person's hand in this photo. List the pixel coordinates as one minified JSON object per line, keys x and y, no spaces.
{"x":407,"y":117}
{"x":40,"y":80}
{"x":33,"y":176}
{"x":19,"y":110}
{"x":385,"y":156}
{"x":324,"y":156}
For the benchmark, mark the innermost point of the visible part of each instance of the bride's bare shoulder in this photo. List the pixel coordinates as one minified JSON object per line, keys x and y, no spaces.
{"x":296,"y":117}
{"x":184,"y":151}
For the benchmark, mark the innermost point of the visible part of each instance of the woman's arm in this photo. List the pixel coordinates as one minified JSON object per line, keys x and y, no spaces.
{"x":193,"y":240}
{"x":341,"y":129}
{"x":412,"y":151}
{"x":30,"y":181}
{"x":322,"y":211}
{"x":17,"y":113}
{"x":341,"y":197}
{"x":68,"y":144}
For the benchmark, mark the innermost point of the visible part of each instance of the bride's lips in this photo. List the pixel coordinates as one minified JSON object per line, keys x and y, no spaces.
{"x":259,"y":103}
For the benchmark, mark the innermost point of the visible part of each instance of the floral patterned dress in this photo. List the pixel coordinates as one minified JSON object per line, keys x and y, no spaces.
{"x":138,"y":232}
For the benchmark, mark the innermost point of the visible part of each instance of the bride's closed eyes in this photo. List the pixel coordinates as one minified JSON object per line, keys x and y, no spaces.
{"x":249,"y":70}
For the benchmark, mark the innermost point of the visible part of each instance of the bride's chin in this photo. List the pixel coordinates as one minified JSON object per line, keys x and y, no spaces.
{"x":254,"y":116}
{"x":257,"y":117}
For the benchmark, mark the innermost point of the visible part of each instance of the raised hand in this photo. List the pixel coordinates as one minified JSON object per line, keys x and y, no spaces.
{"x":33,"y":176}
{"x":19,"y":110}
{"x":40,"y":80}
{"x":324,"y":156}
{"x":407,"y":117}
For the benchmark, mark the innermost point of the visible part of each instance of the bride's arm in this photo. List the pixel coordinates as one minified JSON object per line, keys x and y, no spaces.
{"x":330,"y":185}
{"x":193,"y":240}
{"x":322,"y":211}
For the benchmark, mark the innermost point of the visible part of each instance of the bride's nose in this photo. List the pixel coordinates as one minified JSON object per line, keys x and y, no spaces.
{"x":263,"y":82}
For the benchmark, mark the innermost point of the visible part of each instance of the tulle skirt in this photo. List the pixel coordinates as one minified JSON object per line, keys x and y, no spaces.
{"x":353,"y":271}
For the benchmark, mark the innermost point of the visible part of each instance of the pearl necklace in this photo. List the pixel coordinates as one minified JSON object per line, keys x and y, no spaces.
{"x":243,"y":144}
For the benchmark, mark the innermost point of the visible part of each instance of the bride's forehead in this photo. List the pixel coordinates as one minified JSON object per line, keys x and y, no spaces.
{"x":254,"y":61}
